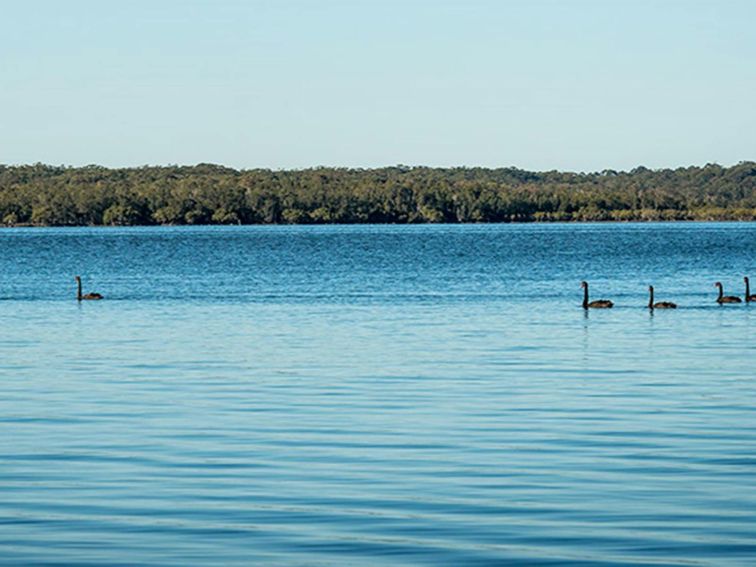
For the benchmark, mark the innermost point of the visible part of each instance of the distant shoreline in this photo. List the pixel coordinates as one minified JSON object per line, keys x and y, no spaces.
{"x":44,"y":195}
{"x":575,"y":222}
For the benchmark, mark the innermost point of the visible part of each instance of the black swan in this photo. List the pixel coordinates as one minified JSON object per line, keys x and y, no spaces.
{"x":748,"y":296}
{"x":658,"y":304}
{"x":79,"y":295}
{"x":598,"y":304}
{"x":725,"y":298}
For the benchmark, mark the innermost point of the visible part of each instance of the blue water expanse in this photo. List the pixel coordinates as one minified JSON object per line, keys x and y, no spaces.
{"x":377,"y":395}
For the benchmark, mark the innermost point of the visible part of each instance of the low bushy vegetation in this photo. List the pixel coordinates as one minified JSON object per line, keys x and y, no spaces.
{"x":45,"y":195}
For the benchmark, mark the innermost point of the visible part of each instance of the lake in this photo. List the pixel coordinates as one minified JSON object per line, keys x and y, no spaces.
{"x":319,"y":395}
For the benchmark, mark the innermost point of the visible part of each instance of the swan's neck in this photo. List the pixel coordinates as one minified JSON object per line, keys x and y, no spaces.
{"x":78,"y":290}
{"x":651,"y":298}
{"x":748,"y":289}
{"x":585,"y":297}
{"x":721,"y":292}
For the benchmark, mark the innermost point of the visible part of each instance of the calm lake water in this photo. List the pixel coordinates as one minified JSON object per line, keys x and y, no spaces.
{"x":377,"y":395}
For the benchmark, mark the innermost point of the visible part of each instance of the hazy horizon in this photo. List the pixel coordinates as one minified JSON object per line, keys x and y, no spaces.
{"x":385,"y":166}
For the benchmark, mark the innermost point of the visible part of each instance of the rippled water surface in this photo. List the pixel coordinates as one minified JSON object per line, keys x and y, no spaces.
{"x":377,"y":395}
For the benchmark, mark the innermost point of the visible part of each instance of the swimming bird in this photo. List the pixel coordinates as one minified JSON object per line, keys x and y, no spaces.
{"x":81,"y":297}
{"x":658,"y":304}
{"x":748,"y":296}
{"x":598,"y":304}
{"x":725,"y":298}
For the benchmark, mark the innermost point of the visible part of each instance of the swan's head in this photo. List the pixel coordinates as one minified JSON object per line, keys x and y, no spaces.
{"x":651,"y":288}
{"x":718,"y":284}
{"x":583,"y":284}
{"x":745,"y":279}
{"x":77,"y":278}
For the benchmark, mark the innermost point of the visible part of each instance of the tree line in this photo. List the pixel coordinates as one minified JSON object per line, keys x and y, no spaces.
{"x":46,"y":195}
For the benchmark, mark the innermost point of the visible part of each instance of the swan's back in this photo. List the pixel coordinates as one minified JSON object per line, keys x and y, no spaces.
{"x":91,"y":296}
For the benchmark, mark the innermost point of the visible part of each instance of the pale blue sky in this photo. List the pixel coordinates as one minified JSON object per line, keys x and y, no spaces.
{"x":572,"y":85}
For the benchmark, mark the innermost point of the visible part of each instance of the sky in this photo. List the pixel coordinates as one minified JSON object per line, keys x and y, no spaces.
{"x":579,"y":85}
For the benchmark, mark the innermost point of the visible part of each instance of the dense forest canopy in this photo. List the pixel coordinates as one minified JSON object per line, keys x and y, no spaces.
{"x":45,"y":195}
